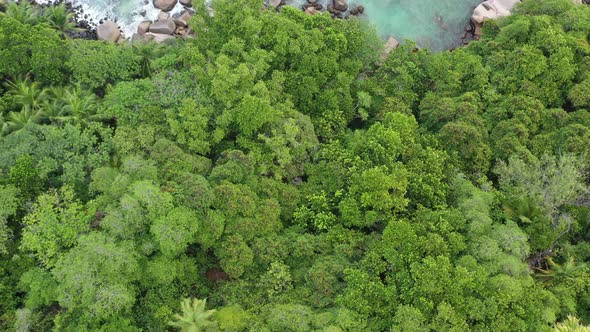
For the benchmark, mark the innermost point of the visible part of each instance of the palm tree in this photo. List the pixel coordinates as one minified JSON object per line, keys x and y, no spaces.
{"x":27,"y":93}
{"x":24,"y":12}
{"x":3,"y":126}
{"x":53,"y":106}
{"x":59,"y":18}
{"x":194,"y":317}
{"x":80,"y":106}
{"x":18,"y":120}
{"x":571,"y":324}
{"x":567,"y":270}
{"x":148,"y":52}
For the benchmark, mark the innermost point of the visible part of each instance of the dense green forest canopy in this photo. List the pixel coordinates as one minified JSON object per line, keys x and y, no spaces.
{"x":273,"y":174}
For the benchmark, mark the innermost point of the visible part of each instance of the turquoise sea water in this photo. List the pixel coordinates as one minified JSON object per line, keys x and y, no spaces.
{"x":434,"y":24}
{"x":417,"y":20}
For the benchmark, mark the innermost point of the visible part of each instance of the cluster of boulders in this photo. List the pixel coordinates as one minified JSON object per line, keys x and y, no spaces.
{"x":165,"y":27}
{"x":338,"y":8}
{"x":487,"y":10}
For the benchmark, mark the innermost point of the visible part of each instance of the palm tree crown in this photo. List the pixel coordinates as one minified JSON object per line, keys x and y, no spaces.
{"x":194,"y":317}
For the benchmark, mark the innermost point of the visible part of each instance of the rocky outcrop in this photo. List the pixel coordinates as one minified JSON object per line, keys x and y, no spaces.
{"x":166,"y":27}
{"x":158,"y":37}
{"x":341,"y":5}
{"x":163,"y":16}
{"x":275,"y":3}
{"x":165,"y":5}
{"x":390,"y":45}
{"x":492,"y":9}
{"x":186,"y":3}
{"x":143,"y":27}
{"x":108,"y":31}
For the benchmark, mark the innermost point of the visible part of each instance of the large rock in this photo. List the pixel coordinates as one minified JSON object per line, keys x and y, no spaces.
{"x":274,"y":3}
{"x":166,"y":27}
{"x":186,"y":3}
{"x":143,"y":27}
{"x":108,"y":31}
{"x":492,"y":9}
{"x":183,"y":19}
{"x":165,"y":5}
{"x":390,"y":45}
{"x":163,"y":16}
{"x":311,"y":11}
{"x":158,"y":37}
{"x":341,"y":5}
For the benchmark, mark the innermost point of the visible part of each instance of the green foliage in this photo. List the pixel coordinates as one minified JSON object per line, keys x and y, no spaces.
{"x":95,"y":278}
{"x":9,"y":203}
{"x":31,"y":49}
{"x":571,"y":324}
{"x":25,"y":177}
{"x":194,"y":317}
{"x":175,"y":231}
{"x":277,"y":166}
{"x":95,"y":64}
{"x":60,"y":19}
{"x":53,"y":225}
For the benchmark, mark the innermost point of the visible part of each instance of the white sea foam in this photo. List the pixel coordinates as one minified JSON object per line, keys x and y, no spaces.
{"x":127,"y":13}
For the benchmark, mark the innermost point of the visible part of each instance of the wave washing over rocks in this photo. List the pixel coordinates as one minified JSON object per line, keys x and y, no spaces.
{"x":436,"y":25}
{"x":128,"y":14}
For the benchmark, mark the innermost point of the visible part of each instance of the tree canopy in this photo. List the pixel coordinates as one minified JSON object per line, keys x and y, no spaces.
{"x":272,"y":174}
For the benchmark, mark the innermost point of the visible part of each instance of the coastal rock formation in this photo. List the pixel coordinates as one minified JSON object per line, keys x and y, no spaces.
{"x":390,"y":45}
{"x":143,"y":27}
{"x":163,"y":16}
{"x":165,"y":5}
{"x":275,"y":3}
{"x":186,"y":3}
{"x":158,"y":37}
{"x":341,"y":5}
{"x":492,"y":9}
{"x":108,"y":31}
{"x":166,"y":27}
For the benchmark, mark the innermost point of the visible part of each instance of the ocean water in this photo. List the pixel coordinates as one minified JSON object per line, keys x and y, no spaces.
{"x":433,"y":24}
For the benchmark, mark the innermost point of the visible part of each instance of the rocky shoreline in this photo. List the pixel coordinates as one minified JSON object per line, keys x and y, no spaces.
{"x":170,"y":26}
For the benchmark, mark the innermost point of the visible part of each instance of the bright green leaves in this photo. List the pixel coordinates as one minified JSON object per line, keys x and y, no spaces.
{"x":234,"y":256}
{"x":191,"y":126}
{"x":579,"y":95}
{"x":194,"y":316}
{"x":9,"y":203}
{"x":26,"y":49}
{"x":254,"y":110}
{"x":277,"y":279}
{"x":25,"y":177}
{"x":468,"y":142}
{"x":41,"y":288}
{"x":379,"y":190}
{"x":95,"y":64}
{"x":365,"y":179}
{"x":175,"y":231}
{"x":96,"y":277}
{"x":316,"y":213}
{"x":376,"y":192}
{"x":53,"y":226}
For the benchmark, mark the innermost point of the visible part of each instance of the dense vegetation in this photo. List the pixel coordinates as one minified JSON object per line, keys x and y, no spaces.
{"x":275,"y":167}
